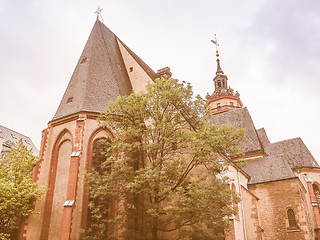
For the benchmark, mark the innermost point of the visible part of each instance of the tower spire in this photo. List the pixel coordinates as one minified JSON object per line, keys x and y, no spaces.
{"x":223,"y":98}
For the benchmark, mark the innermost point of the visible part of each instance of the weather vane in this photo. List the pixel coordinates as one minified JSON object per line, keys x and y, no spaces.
{"x":98,"y":12}
{"x":215,"y":42}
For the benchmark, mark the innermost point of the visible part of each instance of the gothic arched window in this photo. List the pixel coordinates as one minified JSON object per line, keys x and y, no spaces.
{"x":317,"y":194}
{"x":99,"y":154}
{"x":291,"y":219}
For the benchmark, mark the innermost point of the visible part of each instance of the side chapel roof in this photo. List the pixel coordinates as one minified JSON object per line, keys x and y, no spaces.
{"x":282,"y":157}
{"x":100,"y":75}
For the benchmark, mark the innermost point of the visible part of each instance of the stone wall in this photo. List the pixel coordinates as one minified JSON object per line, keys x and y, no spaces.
{"x":275,"y":198}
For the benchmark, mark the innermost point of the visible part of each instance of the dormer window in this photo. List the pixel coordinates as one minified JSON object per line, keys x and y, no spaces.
{"x":70,"y":99}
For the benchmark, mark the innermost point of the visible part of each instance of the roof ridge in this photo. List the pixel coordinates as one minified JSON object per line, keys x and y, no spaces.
{"x":287,"y":140}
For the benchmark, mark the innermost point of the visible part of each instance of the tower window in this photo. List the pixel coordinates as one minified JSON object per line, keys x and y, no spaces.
{"x":231,"y":104}
{"x":292,"y":219}
{"x":219,"y":83}
{"x":131,"y":69}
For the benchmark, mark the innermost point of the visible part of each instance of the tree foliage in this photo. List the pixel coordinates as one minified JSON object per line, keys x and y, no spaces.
{"x":17,"y":190}
{"x":166,"y":175}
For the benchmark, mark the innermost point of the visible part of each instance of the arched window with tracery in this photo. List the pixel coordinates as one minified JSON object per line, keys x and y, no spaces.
{"x":317,"y":194}
{"x":99,"y":206}
{"x":100,"y":153}
{"x":292,"y":219}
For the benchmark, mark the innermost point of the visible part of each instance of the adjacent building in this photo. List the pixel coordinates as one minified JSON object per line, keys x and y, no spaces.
{"x":8,"y":137}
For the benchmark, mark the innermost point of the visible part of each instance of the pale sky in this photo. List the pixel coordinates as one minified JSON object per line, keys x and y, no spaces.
{"x":269,"y":49}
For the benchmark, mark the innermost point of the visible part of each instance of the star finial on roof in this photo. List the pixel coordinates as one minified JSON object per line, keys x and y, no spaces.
{"x":98,"y":12}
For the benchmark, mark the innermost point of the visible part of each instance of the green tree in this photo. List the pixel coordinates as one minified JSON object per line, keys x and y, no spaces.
{"x":166,"y":172}
{"x":17,"y":190}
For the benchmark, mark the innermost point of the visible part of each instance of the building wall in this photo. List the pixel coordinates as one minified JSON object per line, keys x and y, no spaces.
{"x":64,"y":175}
{"x":275,"y":198}
{"x":308,"y":178}
{"x":251,"y":212}
{"x":237,"y":181}
{"x":138,"y":77}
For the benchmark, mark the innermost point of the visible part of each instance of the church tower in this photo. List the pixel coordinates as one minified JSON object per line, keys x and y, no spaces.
{"x":107,"y":68}
{"x":223,"y":98}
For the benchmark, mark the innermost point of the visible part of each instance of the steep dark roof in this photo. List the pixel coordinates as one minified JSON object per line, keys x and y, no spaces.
{"x":263,"y":136}
{"x":282,"y":157}
{"x":266,"y":169}
{"x":8,"y":136}
{"x":240,"y":118}
{"x":99,"y":77}
{"x":294,"y":152}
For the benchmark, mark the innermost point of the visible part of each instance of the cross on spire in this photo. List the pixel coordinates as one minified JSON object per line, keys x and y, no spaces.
{"x":215,"y":42}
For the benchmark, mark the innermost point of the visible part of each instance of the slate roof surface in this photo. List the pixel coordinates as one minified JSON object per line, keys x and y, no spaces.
{"x":240,"y":118}
{"x":294,"y":152}
{"x":282,"y":157}
{"x":8,"y":136}
{"x":99,"y":77}
{"x":267,"y":169}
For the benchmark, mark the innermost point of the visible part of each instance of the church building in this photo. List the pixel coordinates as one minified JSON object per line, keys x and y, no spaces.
{"x":278,"y":187}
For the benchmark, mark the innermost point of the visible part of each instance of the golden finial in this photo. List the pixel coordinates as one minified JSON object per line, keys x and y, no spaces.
{"x":215,"y":42}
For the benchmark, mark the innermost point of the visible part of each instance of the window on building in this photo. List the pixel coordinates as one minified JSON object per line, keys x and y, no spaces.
{"x":231,"y":104}
{"x":70,"y":99}
{"x":83,"y":60}
{"x":99,"y":154}
{"x":292,"y":219}
{"x":317,"y":194}
{"x":131,"y":69}
{"x":218,"y":105}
